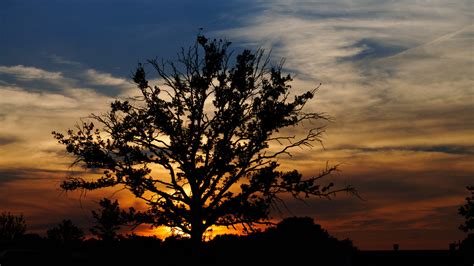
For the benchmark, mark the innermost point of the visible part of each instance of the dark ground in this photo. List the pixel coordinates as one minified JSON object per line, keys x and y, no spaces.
{"x":241,"y":252}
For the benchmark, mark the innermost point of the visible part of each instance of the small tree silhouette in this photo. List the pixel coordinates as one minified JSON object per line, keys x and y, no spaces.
{"x":467,"y":210}
{"x":11,"y":226}
{"x":467,"y":245}
{"x":65,"y":232}
{"x":211,"y":126}
{"x":108,"y":220}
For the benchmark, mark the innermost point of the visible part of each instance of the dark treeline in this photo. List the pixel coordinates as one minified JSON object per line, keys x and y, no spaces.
{"x":293,"y":241}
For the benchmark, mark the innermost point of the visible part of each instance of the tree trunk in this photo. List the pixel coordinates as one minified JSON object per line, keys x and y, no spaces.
{"x":197,"y":242}
{"x":196,"y":236}
{"x":197,"y":228}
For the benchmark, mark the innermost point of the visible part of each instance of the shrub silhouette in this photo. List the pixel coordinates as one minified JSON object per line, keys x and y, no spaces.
{"x":65,"y":232}
{"x":109,"y":219}
{"x":11,"y":226}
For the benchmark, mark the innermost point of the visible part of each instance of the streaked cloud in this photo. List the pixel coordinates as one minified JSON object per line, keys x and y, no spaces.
{"x":16,"y":174}
{"x":449,"y":149}
{"x":30,"y":73}
{"x":74,"y":75}
{"x":34,"y":102}
{"x":398,"y":81}
{"x":18,"y":97}
{"x":8,"y":139}
{"x":106,"y":79}
{"x":63,"y":61}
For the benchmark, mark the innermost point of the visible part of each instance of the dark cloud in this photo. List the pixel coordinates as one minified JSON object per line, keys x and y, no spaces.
{"x":398,"y":186}
{"x":13,"y":174}
{"x":6,"y":140}
{"x":340,"y":207}
{"x":448,"y":149}
{"x":366,"y":223}
{"x":440,"y":217}
{"x":373,"y":49}
{"x":382,"y":189}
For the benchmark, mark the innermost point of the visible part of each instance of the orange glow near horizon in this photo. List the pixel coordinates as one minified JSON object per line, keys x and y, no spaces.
{"x":410,"y":219}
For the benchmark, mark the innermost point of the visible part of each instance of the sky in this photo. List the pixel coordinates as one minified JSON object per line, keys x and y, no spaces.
{"x":397,"y":81}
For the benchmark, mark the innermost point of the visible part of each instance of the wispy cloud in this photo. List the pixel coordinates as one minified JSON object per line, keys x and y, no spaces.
{"x":106,"y":79}
{"x":63,"y":61}
{"x":74,"y":75}
{"x":383,"y":64}
{"x":315,"y":35}
{"x":35,"y":101}
{"x":398,"y":81}
{"x":18,"y":97}
{"x":30,"y":73}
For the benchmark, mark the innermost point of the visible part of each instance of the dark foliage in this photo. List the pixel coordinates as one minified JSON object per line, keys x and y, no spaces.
{"x":210,"y":126}
{"x":109,"y":219}
{"x":467,"y":249}
{"x":293,"y":241}
{"x":11,"y":226}
{"x":65,"y":232}
{"x":467,"y":211}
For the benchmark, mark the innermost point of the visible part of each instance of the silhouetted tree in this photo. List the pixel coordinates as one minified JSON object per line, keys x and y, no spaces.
{"x":11,"y":226}
{"x":467,"y":210}
{"x":210,"y":125}
{"x":467,"y":245}
{"x":294,"y":240}
{"x":108,"y":220}
{"x":65,"y":232}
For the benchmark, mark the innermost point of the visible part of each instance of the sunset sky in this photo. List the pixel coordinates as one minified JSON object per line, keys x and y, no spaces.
{"x":397,"y":79}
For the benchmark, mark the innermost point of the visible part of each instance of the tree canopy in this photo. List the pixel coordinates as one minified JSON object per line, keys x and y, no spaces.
{"x":201,"y":148}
